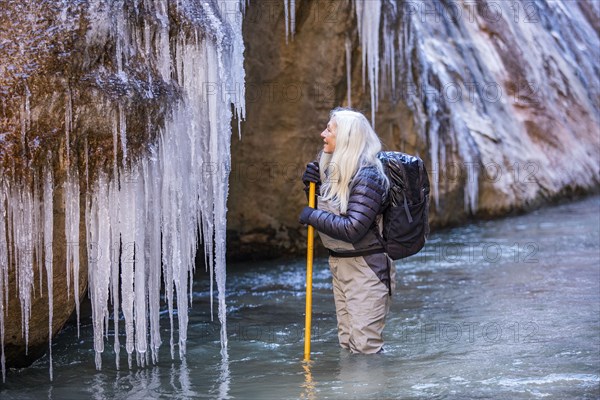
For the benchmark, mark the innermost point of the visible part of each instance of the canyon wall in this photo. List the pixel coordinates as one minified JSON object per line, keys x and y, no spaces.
{"x":500,"y":98}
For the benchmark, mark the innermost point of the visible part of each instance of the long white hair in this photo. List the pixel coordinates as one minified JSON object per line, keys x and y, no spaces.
{"x":356,"y":147}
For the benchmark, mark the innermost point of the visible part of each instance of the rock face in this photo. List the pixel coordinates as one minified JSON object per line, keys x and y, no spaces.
{"x":500,"y":99}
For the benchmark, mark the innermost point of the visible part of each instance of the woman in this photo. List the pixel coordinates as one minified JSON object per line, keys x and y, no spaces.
{"x":351,"y":199}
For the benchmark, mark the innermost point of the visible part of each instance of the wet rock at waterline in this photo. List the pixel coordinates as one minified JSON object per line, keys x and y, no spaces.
{"x":501,"y":99}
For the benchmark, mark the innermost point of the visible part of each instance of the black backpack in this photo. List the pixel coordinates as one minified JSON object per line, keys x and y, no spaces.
{"x":405,"y":218}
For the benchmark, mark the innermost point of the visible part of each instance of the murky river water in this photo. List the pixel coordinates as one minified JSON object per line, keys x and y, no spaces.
{"x":506,"y":309}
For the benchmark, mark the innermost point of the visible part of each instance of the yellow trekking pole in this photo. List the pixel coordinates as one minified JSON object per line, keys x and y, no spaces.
{"x":309,"y":265}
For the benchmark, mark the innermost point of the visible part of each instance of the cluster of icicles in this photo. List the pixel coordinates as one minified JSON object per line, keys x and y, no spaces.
{"x":146,"y":215}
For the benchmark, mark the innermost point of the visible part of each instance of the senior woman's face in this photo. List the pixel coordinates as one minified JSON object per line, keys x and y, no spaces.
{"x":328,"y":136}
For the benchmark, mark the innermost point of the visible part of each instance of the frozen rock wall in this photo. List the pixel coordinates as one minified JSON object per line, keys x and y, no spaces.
{"x":109,"y":143}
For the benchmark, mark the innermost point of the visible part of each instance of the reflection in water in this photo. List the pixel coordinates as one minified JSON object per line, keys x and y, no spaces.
{"x":513,"y":315}
{"x":224,"y":375}
{"x":353,"y":375}
{"x":308,"y":386}
{"x":143,"y":384}
{"x":98,"y":387}
{"x":184,"y":380}
{"x":153,"y":383}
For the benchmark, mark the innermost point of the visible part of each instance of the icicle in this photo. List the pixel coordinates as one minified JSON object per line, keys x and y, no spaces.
{"x":123,"y":133}
{"x":87,"y":166}
{"x":48,"y":254}
{"x":87,"y":216}
{"x":388,"y":57}
{"x":392,"y":64}
{"x":72,"y":213}
{"x":115,"y":246}
{"x":99,"y":263}
{"x":68,"y":224}
{"x":468,"y":153}
{"x":140,"y":272}
{"x":38,"y":228}
{"x":434,"y":151}
{"x":286,"y":19}
{"x":172,"y":226}
{"x":127,"y":203}
{"x":349,"y":70}
{"x":162,"y":41}
{"x":120,"y":35}
{"x":289,"y":10}
{"x":72,"y":228}
{"x":368,"y":18}
{"x":389,"y":34}
{"x":74,"y":239}
{"x":115,"y":131}
{"x":236,"y":70}
{"x":27,"y":114}
{"x":220,"y":146}
{"x":3,"y":271}
{"x":167,"y":250}
{"x":20,"y":205}
{"x":68,"y":124}
{"x":148,"y":55}
{"x":153,"y":257}
{"x":293,"y":17}
{"x":224,"y":375}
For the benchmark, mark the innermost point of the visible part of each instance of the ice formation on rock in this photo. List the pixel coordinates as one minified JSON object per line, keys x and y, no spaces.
{"x":143,"y":217}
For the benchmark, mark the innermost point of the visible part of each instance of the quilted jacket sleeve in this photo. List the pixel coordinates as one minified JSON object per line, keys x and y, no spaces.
{"x":364,"y":204}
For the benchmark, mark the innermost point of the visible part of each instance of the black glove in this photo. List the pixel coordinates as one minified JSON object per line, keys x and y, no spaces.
{"x":305,"y":215}
{"x":312,"y":174}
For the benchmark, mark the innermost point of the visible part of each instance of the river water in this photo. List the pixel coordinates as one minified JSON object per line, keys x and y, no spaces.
{"x":504,"y":309}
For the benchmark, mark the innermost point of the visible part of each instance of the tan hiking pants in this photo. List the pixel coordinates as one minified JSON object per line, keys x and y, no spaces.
{"x":361,"y":302}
